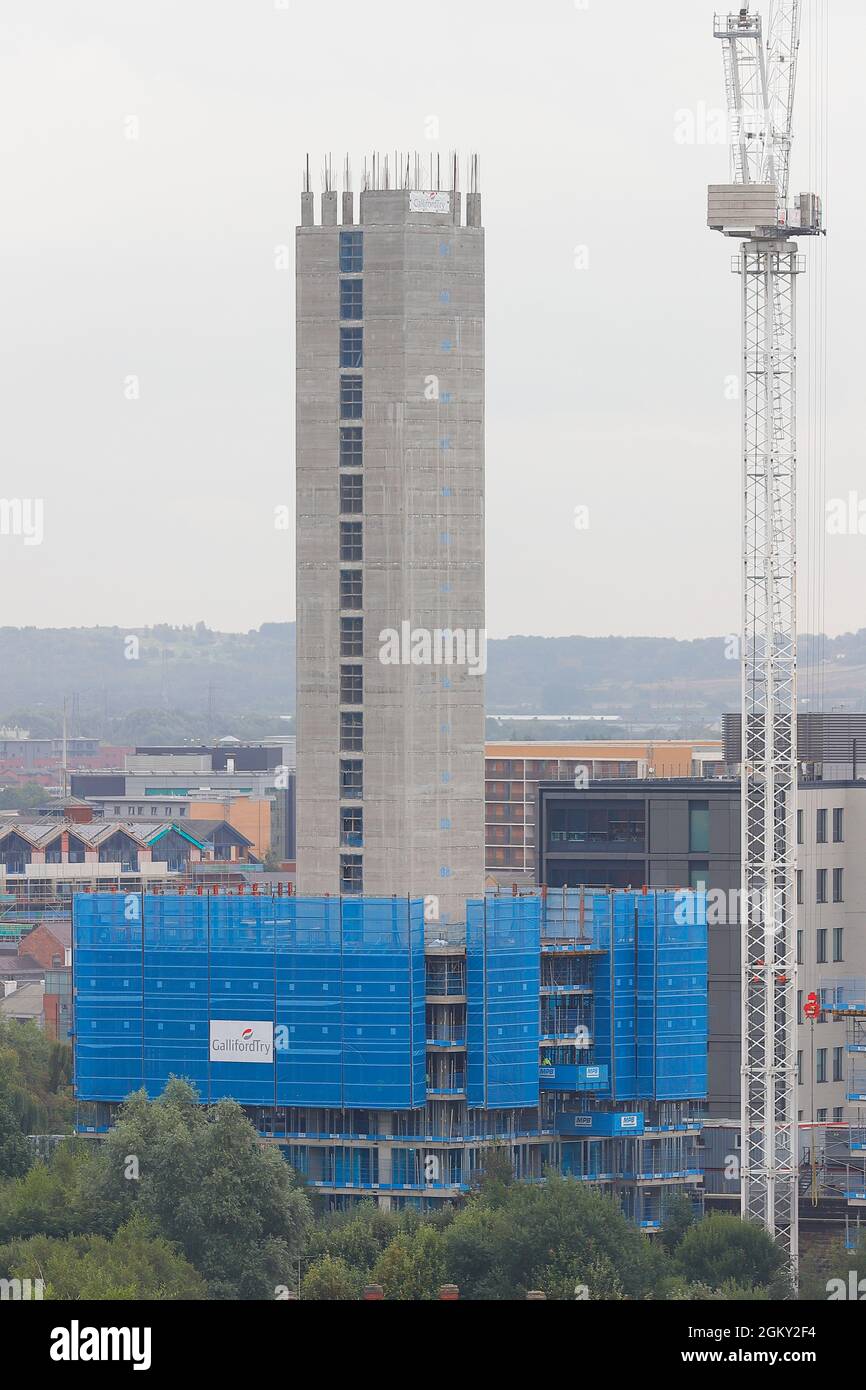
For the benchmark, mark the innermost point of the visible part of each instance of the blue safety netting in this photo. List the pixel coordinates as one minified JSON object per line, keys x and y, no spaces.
{"x":340,"y":983}
{"x":503,"y":938}
{"x":107,"y":979}
{"x":681,"y":1002}
{"x":650,"y":995}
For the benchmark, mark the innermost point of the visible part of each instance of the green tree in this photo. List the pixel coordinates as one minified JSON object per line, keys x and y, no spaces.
{"x":557,"y":1236}
{"x":412,"y":1267}
{"x":203,"y":1180}
{"x":724,"y":1248}
{"x":494,"y":1175}
{"x":358,"y":1237}
{"x":135,"y":1264}
{"x":331,"y":1279}
{"x":679,"y":1218}
{"x":49,"y":1199}
{"x":36,"y":1075}
{"x":730,"y":1292}
{"x":15,"y":1154}
{"x":824,"y":1264}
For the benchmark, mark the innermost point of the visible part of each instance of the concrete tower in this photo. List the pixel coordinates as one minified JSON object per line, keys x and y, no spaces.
{"x":391,"y":646}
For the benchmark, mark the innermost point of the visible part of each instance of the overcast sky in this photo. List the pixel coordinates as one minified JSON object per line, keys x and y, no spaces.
{"x":151,"y":160}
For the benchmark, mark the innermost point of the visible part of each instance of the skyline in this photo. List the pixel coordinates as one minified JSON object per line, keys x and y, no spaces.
{"x":154,"y":219}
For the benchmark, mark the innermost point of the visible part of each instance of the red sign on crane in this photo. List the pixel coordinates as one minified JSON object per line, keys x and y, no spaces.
{"x":812,"y":1006}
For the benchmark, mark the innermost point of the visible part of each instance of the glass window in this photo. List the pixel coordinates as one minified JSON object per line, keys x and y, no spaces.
{"x":351,"y":685}
{"x":800,"y":947}
{"x":352,"y":252}
{"x":351,"y":732}
{"x":699,"y":827}
{"x":351,"y":589}
{"x":351,"y":494}
{"x":838,"y":1114}
{"x":838,"y":1063}
{"x":838,"y":825}
{"x":821,"y":1065}
{"x":799,"y":827}
{"x":351,"y":827}
{"x":351,"y":347}
{"x":351,"y":873}
{"x":351,"y":779}
{"x":799,"y":885}
{"x":351,"y":637}
{"x":351,"y":541}
{"x":838,"y":885}
{"x":351,"y":397}
{"x":822,"y":1117}
{"x":821,"y":954}
{"x":699,"y":877}
{"x":351,"y":446}
{"x":821,"y":827}
{"x":351,"y":299}
{"x":838,"y":943}
{"x":799,"y":1068}
{"x":821,"y":886}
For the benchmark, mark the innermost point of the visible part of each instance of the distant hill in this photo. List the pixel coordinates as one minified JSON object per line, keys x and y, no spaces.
{"x":191,"y":682}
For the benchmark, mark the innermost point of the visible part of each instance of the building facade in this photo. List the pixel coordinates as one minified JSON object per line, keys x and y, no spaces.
{"x":391,"y":646}
{"x":686,"y":834}
{"x":251,"y":785}
{"x":385,"y":1059}
{"x":513,"y":772}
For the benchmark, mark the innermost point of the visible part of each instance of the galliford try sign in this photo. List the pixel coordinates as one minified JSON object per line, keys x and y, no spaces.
{"x":235,"y":1040}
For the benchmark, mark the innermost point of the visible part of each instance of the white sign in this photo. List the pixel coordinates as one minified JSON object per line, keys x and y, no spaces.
{"x":236,"y":1040}
{"x":429,"y":202}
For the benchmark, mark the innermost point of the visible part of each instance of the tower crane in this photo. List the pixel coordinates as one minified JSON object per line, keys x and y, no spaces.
{"x":760,"y":78}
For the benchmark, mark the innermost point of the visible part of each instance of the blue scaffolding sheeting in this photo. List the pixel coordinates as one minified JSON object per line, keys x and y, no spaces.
{"x":503,"y":982}
{"x":107,"y":979}
{"x":681,"y":1005}
{"x":309,"y":975}
{"x":337,"y":987}
{"x":176,"y":1011}
{"x":651,"y":996}
{"x":384,"y":1051}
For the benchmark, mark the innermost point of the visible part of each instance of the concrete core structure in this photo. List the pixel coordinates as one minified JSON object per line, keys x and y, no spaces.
{"x":391,"y":644}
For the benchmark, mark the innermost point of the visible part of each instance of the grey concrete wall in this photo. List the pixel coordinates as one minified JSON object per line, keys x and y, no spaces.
{"x":423,"y":524}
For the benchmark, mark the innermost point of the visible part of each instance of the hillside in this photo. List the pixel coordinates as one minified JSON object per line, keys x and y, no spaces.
{"x":175,"y":683}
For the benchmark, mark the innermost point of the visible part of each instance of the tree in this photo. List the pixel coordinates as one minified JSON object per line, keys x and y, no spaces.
{"x":49,"y":1199}
{"x":331,"y":1279}
{"x":412,"y":1267}
{"x":679,"y":1217}
{"x":358,"y":1237}
{"x":134,"y":1264}
{"x":36,"y":1075}
{"x":730,"y":1292}
{"x":15,"y":1154}
{"x":204,"y":1181}
{"x":724,"y":1248}
{"x":494,"y":1174}
{"x":823,"y":1266}
{"x":557,"y":1236}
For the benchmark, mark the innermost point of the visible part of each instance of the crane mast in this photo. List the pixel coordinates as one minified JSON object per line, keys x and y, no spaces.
{"x":760,"y":77}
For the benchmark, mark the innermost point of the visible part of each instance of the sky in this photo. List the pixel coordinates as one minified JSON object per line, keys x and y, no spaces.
{"x":152,"y":157}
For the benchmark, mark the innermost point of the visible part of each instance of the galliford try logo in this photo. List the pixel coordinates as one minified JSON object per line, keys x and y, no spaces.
{"x":233,"y":1040}
{"x":436,"y":646}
